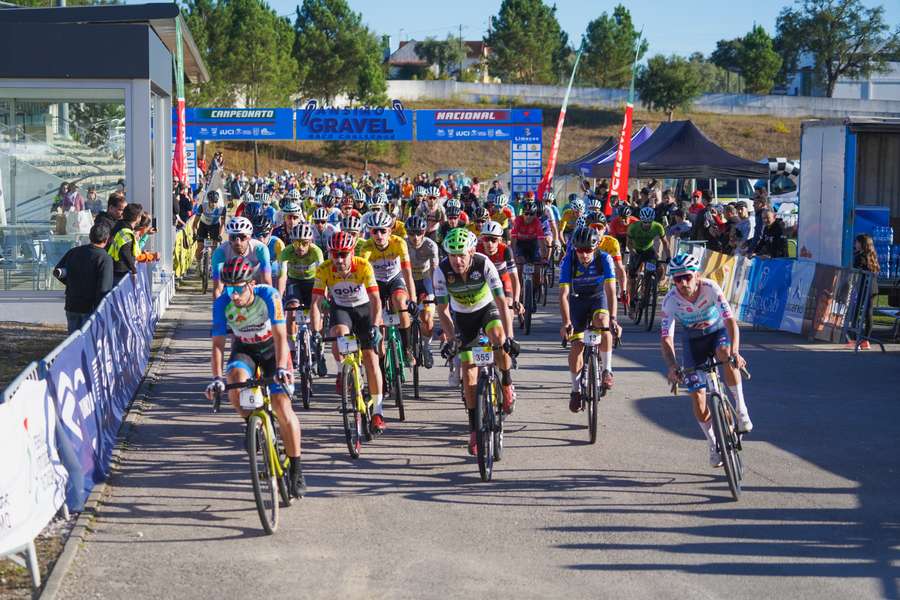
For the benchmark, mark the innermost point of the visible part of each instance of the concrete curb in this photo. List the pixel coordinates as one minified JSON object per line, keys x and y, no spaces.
{"x":53,"y":582}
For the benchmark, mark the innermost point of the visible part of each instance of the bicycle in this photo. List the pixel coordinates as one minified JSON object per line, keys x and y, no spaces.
{"x":591,"y":386}
{"x":356,"y":402}
{"x":529,"y":295}
{"x":393,"y":361}
{"x":651,"y":288}
{"x":304,"y":352}
{"x":724,"y":420}
{"x":420,"y":349}
{"x":269,"y":465}
{"x":209,"y":245}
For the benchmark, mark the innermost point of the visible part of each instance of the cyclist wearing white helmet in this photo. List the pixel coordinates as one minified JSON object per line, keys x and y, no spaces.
{"x":432,"y":211}
{"x":423,"y":257}
{"x":500,"y":212}
{"x":711,"y":332}
{"x":570,"y":217}
{"x":291,"y":215}
{"x":322,"y":229}
{"x":241,"y":243}
{"x":491,"y":244}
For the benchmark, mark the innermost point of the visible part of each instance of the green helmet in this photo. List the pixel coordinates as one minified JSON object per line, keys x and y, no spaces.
{"x":459,"y":241}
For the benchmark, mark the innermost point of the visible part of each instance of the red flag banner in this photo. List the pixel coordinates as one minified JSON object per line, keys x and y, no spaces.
{"x":179,"y":160}
{"x":619,"y":182}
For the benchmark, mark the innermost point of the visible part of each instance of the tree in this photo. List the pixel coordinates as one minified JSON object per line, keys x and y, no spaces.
{"x":447,"y":54}
{"x":527,"y":44}
{"x":726,"y":54}
{"x":668,"y":83}
{"x":609,"y":50}
{"x":844,"y":38}
{"x":714,"y":79}
{"x":335,"y":52}
{"x":759,"y":63}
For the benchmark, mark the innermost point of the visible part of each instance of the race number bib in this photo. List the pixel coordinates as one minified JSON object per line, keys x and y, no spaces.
{"x":592,"y":338}
{"x":650,"y":267}
{"x":347,"y":344}
{"x":483,"y":356}
{"x":251,"y":398}
{"x":390,"y":318}
{"x":528,"y":269}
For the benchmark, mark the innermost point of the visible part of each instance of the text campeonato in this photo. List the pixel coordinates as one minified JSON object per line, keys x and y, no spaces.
{"x":242,"y":114}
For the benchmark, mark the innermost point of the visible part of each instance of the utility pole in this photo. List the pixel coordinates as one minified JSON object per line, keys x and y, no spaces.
{"x":462,"y":54}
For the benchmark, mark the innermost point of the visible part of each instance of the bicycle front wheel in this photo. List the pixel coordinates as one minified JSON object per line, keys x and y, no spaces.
{"x":484,"y":421}
{"x":652,"y":297}
{"x":204,"y":272}
{"x":262,"y":474}
{"x":593,"y":394}
{"x":415,"y":340}
{"x":395,"y":372}
{"x":529,"y":305}
{"x":353,"y":422}
{"x":725,"y":444}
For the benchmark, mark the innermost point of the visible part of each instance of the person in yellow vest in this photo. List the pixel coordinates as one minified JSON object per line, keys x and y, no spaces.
{"x":124,"y":248}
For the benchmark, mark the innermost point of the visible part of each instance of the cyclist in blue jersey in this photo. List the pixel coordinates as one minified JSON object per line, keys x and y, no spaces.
{"x":255,"y":316}
{"x":210,"y":220}
{"x":241,"y":243}
{"x":587,"y":298}
{"x":262,"y":231}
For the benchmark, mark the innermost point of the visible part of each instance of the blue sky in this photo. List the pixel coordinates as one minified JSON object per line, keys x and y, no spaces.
{"x":670,"y":27}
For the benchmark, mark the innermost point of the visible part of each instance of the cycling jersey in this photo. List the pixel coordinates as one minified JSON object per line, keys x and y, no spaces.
{"x":503,"y":216}
{"x":347,"y":289}
{"x":301,"y":266}
{"x":567,"y":221}
{"x":703,"y":316}
{"x":551,"y":211}
{"x":257,"y":255}
{"x":275,"y":246}
{"x":251,"y":324}
{"x":527,"y":231}
{"x":434,"y":216}
{"x":211,"y":213}
{"x":611,"y":246}
{"x":502,"y":258}
{"x":586,"y":280}
{"x":642,"y":238}
{"x":321,"y":238}
{"x":471,"y":294}
{"x":423,"y":259}
{"x":387,"y":262}
{"x":618,"y":227}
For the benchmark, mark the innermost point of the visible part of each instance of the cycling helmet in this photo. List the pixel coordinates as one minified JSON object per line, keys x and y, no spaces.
{"x":239,"y":226}
{"x":529,"y":207}
{"x":453,"y":203}
{"x":327,"y":201}
{"x":585,"y":237}
{"x":379,"y":201}
{"x":549,"y":195}
{"x":594,"y":204}
{"x":625,"y":211}
{"x":351,"y":223}
{"x":320,"y":214}
{"x":265,"y":198}
{"x":291,"y":207}
{"x":262,"y":225}
{"x":358,"y":194}
{"x":337,"y":194}
{"x":294,"y":194}
{"x":502,"y":200}
{"x":302,"y":231}
{"x":237,"y":270}
{"x":577,"y":205}
{"x":683,"y":263}
{"x":492,"y":228}
{"x":420,"y":190}
{"x":480,"y":214}
{"x":573,"y":198}
{"x":342,"y":241}
{"x":459,"y":241}
{"x":647,"y":214}
{"x":213,"y":196}
{"x":596,"y":218}
{"x":380,"y":220}
{"x":453,"y":212}
{"x":416,"y":224}
{"x":433,"y":192}
{"x":252,"y":208}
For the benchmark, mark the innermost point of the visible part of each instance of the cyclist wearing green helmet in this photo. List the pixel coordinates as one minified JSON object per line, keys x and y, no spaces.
{"x":468,"y":284}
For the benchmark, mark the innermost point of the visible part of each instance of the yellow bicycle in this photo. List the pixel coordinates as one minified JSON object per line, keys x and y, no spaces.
{"x":356,"y":402}
{"x":269,"y":464}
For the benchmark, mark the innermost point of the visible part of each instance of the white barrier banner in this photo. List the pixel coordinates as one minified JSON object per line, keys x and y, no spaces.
{"x":32,"y":479}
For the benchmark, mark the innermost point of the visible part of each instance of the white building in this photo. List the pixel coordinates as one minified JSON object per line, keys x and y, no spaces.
{"x":405,"y":57}
{"x":878,"y":86}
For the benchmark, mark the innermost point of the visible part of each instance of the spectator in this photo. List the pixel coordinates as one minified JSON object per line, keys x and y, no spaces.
{"x":87,"y":272}
{"x":60,"y":198}
{"x":744,"y":223}
{"x":865,"y":259}
{"x":120,"y":187}
{"x":476,"y":186}
{"x":73,"y":199}
{"x":666,"y":208}
{"x":114,"y":206}
{"x":680,"y":227}
{"x":92,"y":202}
{"x":760,"y":205}
{"x":736,"y":243}
{"x":699,"y":201}
{"x":184,"y":206}
{"x":123,"y":245}
{"x":772,"y":243}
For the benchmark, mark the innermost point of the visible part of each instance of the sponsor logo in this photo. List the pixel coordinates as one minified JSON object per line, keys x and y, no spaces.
{"x":238,"y":113}
{"x":471,"y":115}
{"x":475,"y":275}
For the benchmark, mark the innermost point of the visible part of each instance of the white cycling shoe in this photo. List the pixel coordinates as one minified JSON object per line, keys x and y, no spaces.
{"x":745,"y":425}
{"x":453,"y":378}
{"x":715,"y":461}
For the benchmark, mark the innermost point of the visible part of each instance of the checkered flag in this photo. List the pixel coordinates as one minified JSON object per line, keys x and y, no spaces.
{"x":783,"y":166}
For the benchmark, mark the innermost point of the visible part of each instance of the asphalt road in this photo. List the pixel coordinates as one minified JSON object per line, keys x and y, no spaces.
{"x":640,"y":514}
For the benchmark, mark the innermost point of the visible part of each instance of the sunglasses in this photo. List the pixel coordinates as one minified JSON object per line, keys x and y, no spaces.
{"x":490,"y":240}
{"x":320,"y":222}
{"x":584,"y":250}
{"x":683,"y":278}
{"x":340,"y":255}
{"x":422,"y":232}
{"x":235,"y":290}
{"x":239,"y":236}
{"x":302,"y":242}
{"x":379,"y":231}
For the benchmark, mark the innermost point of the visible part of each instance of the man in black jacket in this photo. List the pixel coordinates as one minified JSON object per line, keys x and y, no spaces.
{"x":115,"y":204}
{"x":87,"y":272}
{"x":772,"y":242}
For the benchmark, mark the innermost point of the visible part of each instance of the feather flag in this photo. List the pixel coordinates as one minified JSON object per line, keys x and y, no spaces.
{"x":179,"y":159}
{"x":619,"y":181}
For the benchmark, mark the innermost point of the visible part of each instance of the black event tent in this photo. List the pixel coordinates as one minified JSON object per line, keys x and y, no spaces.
{"x":573,"y":167}
{"x":679,"y":150}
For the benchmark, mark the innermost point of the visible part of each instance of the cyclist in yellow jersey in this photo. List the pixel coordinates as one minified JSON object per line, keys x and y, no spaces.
{"x":610,"y":245}
{"x":389,"y":257}
{"x":479,"y":218}
{"x":567,"y":222}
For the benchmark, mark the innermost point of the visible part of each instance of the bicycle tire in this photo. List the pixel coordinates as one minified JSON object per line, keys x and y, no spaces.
{"x":637,"y":310}
{"x":353,"y":422}
{"x":415,"y":340}
{"x":204,"y":272}
{"x":306,"y":370}
{"x":652,"y":297}
{"x":498,"y":419}
{"x":734,"y":440}
{"x":529,"y":305}
{"x":397,"y":383}
{"x":483,"y":423}
{"x":593,"y":394}
{"x":723,"y":442}
{"x":262,"y":475}
{"x":284,"y":483}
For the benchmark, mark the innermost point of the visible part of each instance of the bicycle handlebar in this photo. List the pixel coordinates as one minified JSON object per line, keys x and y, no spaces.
{"x":240,"y":385}
{"x":708,"y":367}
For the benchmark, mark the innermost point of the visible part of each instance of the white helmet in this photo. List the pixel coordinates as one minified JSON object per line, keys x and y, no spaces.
{"x":238,"y":226}
{"x":492,"y":228}
{"x":381,"y":219}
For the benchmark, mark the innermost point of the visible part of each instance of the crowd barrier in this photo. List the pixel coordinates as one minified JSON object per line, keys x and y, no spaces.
{"x":60,"y":418}
{"x":798,"y":296}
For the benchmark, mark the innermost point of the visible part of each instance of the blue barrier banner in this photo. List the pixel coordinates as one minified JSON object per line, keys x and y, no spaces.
{"x":802,"y":274}
{"x":766,"y":294}
{"x":238,"y":124}
{"x":352,"y":124}
{"x":95,"y":375}
{"x":508,"y":125}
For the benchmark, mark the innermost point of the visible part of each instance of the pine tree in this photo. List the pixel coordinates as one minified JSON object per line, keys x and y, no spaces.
{"x":526,"y":43}
{"x":609,"y":50}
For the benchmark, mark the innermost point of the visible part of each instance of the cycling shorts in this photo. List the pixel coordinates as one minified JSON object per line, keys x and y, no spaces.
{"x":357,"y":319}
{"x":528,"y":251}
{"x":582,"y":310}
{"x":638,"y":258}
{"x":386,"y":289}
{"x":424,"y":287}
{"x":212,"y":231}
{"x":470,"y":325}
{"x":247,"y":357}
{"x":697,"y":349}
{"x":299,"y":289}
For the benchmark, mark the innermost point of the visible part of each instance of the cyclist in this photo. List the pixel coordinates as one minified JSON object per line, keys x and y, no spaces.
{"x":322,"y":229}
{"x":468,"y":284}
{"x":712,"y":331}
{"x":453,"y":221}
{"x":355,"y":307}
{"x":527,"y":235}
{"x":587,"y":298}
{"x":389,"y":257}
{"x":551,"y":232}
{"x":212,"y":219}
{"x":641,"y":237}
{"x":423,"y":257}
{"x":353,"y":226}
{"x":569,"y":217}
{"x":262,"y":231}
{"x":254,"y":314}
{"x":241,"y":243}
{"x":500,"y":212}
{"x":455,"y":203}
{"x":491,"y":245}
{"x":431,"y":211}
{"x":291,"y":215}
{"x":299,"y":263}
{"x":618,"y":226}
{"x":479,"y":218}
{"x":610,"y":245}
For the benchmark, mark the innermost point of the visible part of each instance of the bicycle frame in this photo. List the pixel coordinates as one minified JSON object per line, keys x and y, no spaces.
{"x":392,"y":341}
{"x":264,"y":413}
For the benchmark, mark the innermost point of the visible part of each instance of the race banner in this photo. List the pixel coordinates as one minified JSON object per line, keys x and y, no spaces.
{"x":619,"y":181}
{"x":213,"y":124}
{"x":355,"y":124}
{"x":179,"y":159}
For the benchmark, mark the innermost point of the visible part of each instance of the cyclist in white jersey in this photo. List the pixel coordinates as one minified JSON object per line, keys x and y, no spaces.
{"x":711,"y":330}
